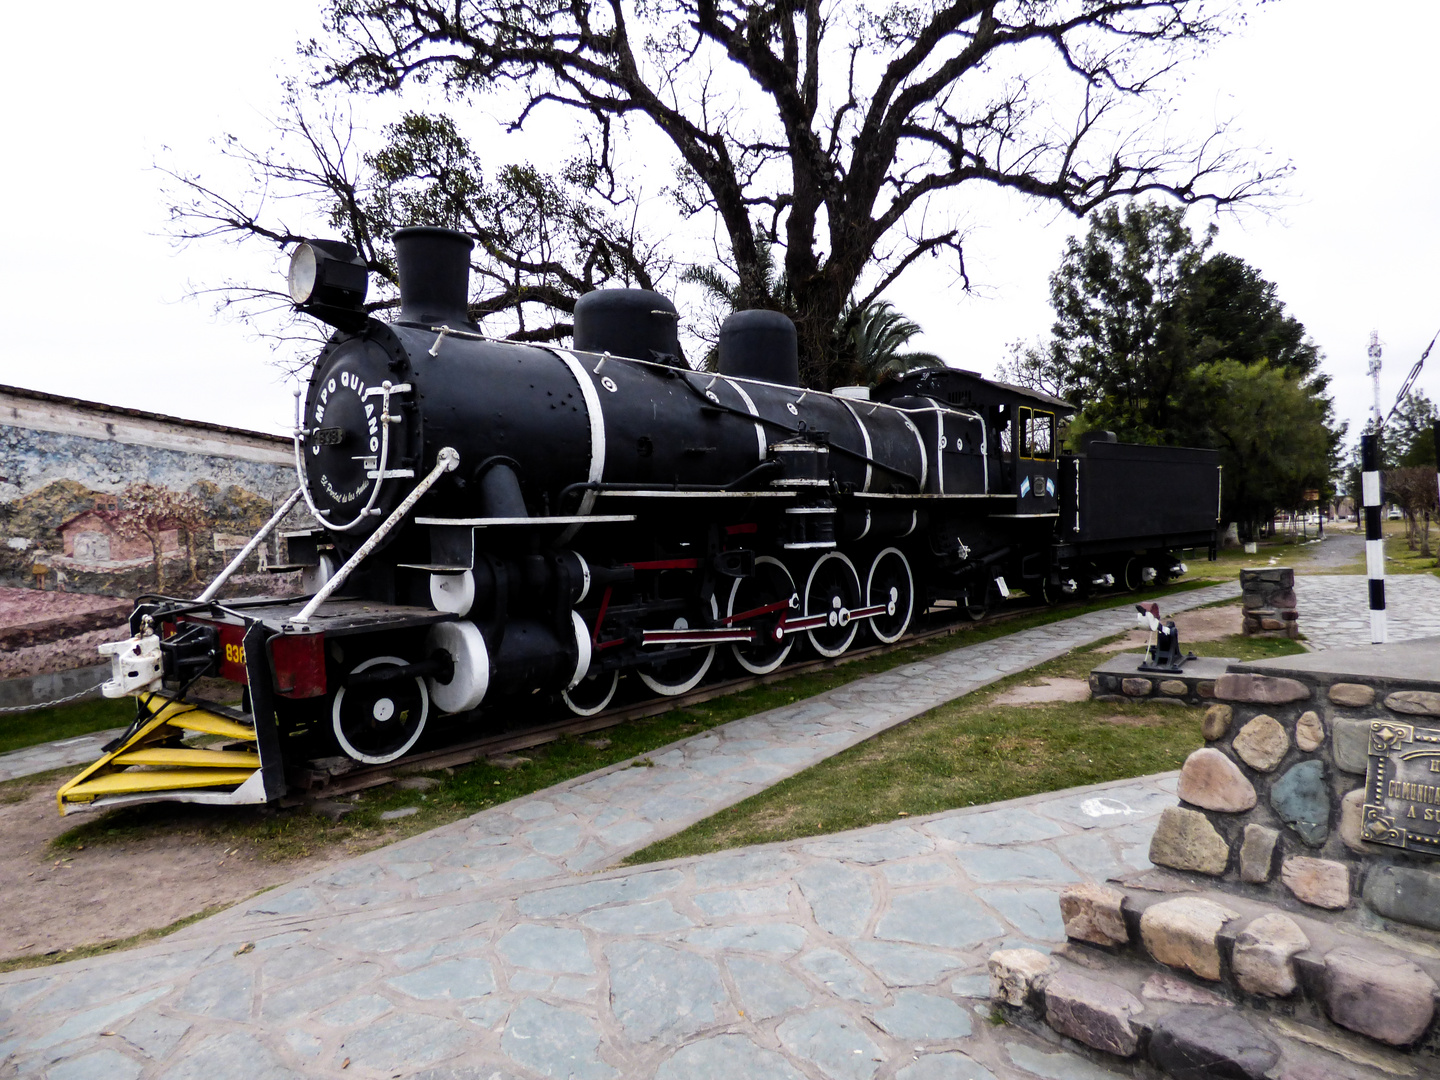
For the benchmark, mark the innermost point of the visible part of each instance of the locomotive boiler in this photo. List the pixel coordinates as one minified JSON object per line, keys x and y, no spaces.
{"x":496,"y":521}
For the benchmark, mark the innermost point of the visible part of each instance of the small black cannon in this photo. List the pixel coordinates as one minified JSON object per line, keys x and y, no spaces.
{"x":1163,"y":651}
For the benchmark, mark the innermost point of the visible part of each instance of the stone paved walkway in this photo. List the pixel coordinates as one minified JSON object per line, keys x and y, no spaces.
{"x":1335,"y":608}
{"x":598,"y":819}
{"x":850,"y":957}
{"x":81,"y":750}
{"x":430,"y":896}
{"x":473,"y":951}
{"x":1339,"y":546}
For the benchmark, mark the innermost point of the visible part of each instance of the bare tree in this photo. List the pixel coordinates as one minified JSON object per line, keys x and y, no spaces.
{"x":836,"y":125}
{"x":541,"y":240}
{"x":149,"y":511}
{"x":1412,"y":489}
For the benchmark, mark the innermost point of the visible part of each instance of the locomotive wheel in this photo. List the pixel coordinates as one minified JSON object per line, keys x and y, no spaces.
{"x":890,"y":583}
{"x":770,"y":584}
{"x":975,"y":610}
{"x":833,"y":589}
{"x":379,"y":722}
{"x":681,"y":673}
{"x":1134,"y":575}
{"x":1050,"y":591}
{"x":592,"y":693}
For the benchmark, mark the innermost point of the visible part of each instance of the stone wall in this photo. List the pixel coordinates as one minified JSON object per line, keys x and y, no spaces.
{"x":1268,"y":599}
{"x":75,"y":476}
{"x":1121,"y":679}
{"x":1273,"y":805}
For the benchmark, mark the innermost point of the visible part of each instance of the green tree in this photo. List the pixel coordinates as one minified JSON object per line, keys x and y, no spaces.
{"x":1235,"y":314}
{"x":1409,"y":438}
{"x":1274,"y":434}
{"x":1159,"y":340}
{"x":1122,"y":343}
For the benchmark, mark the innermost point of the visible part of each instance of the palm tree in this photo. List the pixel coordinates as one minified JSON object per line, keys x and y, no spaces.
{"x":875,"y":343}
{"x":869,"y":342}
{"x":728,"y":295}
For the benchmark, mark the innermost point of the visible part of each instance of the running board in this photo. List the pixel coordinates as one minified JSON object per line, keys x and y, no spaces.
{"x":153,"y":765}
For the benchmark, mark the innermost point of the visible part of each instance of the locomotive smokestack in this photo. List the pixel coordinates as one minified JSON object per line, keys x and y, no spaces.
{"x":434,"y":266}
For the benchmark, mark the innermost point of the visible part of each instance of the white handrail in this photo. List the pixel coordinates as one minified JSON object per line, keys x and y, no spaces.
{"x":445,"y":461}
{"x":302,"y":472}
{"x":255,"y":541}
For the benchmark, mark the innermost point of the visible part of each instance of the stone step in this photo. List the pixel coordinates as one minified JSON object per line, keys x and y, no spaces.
{"x":1311,"y":966}
{"x":1163,"y":1023}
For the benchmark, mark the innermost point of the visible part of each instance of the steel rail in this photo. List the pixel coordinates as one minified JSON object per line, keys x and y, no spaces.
{"x":369,"y":776}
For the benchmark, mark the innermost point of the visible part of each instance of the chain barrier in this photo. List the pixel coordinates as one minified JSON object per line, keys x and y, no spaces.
{"x":1410,"y":380}
{"x":51,"y":704}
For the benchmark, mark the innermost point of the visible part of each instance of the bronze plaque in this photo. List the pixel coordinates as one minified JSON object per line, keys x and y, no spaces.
{"x":1402,"y":787}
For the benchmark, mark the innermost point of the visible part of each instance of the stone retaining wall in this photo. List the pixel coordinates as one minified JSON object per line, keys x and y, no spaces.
{"x":1120,"y":679}
{"x":1273,"y":803}
{"x":36,"y":689}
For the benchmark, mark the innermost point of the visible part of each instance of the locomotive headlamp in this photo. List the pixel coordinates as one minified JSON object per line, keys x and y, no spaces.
{"x":328,"y":279}
{"x":302,"y":273}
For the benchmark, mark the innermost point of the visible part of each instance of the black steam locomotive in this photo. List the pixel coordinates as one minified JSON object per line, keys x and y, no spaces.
{"x":497,"y":520}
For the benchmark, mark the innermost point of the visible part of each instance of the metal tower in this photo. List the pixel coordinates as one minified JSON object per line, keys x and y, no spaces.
{"x":1374,"y":372}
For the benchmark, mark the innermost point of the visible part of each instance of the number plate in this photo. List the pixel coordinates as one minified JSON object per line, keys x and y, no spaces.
{"x":1402,"y":787}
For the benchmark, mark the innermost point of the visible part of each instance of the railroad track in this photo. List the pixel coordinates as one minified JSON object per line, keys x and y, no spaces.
{"x":309,"y":784}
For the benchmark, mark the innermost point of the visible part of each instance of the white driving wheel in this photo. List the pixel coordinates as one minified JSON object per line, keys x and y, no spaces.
{"x":890,"y":583}
{"x":770,"y":584}
{"x":379,"y":722}
{"x":683,"y":671}
{"x":833,"y":590}
{"x":592,"y":693}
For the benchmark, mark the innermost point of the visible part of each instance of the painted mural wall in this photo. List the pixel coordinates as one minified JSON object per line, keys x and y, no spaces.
{"x":117,"y":502}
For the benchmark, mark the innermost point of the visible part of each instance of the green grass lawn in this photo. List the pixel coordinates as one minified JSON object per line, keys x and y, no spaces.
{"x":1400,"y":559}
{"x":19,"y":730}
{"x":966,"y":753}
{"x":1230,"y":561}
{"x":296,"y":832}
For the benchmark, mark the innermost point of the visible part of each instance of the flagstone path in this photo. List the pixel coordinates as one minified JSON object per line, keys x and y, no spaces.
{"x":475,"y":950}
{"x":849,"y":957}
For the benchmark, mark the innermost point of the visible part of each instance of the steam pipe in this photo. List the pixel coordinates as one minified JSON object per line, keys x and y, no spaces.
{"x":445,"y":462}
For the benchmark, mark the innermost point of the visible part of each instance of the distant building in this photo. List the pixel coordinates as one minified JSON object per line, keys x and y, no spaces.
{"x":92,"y":537}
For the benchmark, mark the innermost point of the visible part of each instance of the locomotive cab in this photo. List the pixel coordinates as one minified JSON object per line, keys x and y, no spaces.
{"x":1017,"y":431}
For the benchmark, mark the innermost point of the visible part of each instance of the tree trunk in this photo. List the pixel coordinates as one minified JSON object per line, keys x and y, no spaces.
{"x":158,"y":553}
{"x":191,"y":570}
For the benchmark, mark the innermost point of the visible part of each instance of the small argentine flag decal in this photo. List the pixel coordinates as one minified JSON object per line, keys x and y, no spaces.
{"x":1024,"y":486}
{"x":1050,"y":486}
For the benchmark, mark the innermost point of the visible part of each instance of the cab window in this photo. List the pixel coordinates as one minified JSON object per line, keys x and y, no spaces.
{"x":1037,"y":434}
{"x":1000,"y":422}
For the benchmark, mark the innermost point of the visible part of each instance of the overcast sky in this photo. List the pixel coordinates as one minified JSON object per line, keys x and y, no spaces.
{"x":95,"y":297}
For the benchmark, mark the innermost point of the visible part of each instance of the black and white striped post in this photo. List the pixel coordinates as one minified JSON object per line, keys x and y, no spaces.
{"x":1374,"y":541}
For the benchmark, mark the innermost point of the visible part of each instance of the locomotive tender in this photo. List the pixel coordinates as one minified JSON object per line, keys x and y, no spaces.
{"x":497,"y":519}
